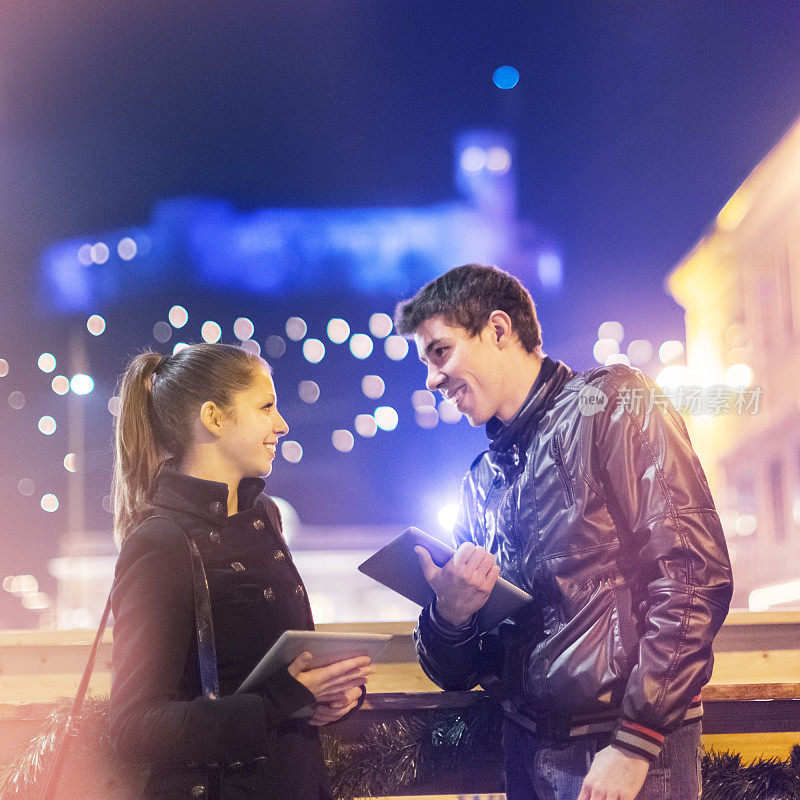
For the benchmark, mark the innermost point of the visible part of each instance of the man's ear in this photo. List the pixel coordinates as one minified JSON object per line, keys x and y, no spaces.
{"x":211,"y":416}
{"x":501,"y":328}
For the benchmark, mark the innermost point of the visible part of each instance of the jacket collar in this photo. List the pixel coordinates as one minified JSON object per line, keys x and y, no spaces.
{"x":207,"y":499}
{"x":551,"y":378}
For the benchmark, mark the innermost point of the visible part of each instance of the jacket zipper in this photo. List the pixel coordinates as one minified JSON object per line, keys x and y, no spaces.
{"x":558,"y":457}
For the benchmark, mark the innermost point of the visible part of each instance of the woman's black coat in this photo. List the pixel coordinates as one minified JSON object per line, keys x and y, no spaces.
{"x":157,"y":712}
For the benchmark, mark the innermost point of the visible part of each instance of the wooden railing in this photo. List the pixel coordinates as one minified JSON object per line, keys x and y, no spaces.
{"x":752,"y":703}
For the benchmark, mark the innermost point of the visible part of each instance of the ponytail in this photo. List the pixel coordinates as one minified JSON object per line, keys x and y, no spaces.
{"x":159,"y":399}
{"x":137,"y":455}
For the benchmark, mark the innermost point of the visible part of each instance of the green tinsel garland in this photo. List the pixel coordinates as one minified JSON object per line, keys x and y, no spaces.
{"x":390,"y":758}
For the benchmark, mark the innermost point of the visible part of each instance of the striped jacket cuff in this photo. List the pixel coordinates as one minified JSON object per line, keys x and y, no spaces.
{"x":647,"y":742}
{"x":638,"y":739}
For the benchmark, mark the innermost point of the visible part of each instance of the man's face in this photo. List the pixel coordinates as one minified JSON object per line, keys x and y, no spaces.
{"x":464,"y":368}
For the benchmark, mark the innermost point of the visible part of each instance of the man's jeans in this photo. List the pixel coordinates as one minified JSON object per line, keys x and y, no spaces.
{"x":544,"y":770}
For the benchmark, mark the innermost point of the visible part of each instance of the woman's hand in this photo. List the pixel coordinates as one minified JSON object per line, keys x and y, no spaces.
{"x":325,"y":713}
{"x":331,"y":683}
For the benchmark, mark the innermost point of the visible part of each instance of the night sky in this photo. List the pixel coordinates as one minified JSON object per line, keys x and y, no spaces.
{"x":634,"y":121}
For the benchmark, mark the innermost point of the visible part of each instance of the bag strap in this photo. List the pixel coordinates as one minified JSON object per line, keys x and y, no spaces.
{"x":206,"y":650}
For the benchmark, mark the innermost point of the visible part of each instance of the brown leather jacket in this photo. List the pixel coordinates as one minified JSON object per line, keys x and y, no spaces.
{"x":593,"y":501}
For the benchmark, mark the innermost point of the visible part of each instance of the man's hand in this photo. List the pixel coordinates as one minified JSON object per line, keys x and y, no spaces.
{"x":325,"y":713}
{"x":614,"y":775}
{"x":463,"y":584}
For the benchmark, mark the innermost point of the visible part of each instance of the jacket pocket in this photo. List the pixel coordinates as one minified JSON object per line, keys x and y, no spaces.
{"x":557,"y":454}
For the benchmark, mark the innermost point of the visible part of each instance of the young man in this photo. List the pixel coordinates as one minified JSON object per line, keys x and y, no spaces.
{"x":591,"y":499}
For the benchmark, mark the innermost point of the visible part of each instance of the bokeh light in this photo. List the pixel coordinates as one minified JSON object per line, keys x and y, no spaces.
{"x":178,"y":316}
{"x":343,"y":440}
{"x":47,"y":362}
{"x":20,"y":585}
{"x":447,"y":516}
{"x":296,"y":328}
{"x":36,"y":601}
{"x":60,"y":384}
{"x":3,"y":368}
{"x":313,"y":350}
{"x":505,"y":77}
{"x":373,"y":386}
{"x":308,"y":391}
{"x":243,"y":329}
{"x":162,"y":332}
{"x":603,"y":348}
{"x":47,"y":425}
{"x":292,"y":451}
{"x":473,"y":159}
{"x":365,"y":425}
{"x":672,"y":377}
{"x":361,"y":345}
{"x":251,"y":346}
{"x":81,"y":384}
{"x":498,"y":160}
{"x":178,"y":347}
{"x":738,"y":375}
{"x":611,"y":330}
{"x":338,"y":330}
{"x":95,"y":325}
{"x":396,"y":348}
{"x":210,"y":331}
{"x":126,"y":248}
{"x":426,"y":417}
{"x":386,"y":418}
{"x":100,"y":253}
{"x":380,"y":325}
{"x":16,"y":400}
{"x":449,"y":413}
{"x":671,"y":350}
{"x":617,"y":358}
{"x":640,"y":352}
{"x":49,"y":502}
{"x":70,"y":462}
{"x":25,"y":487}
{"x":114,"y":405}
{"x":422,"y":398}
{"x":107,"y":504}
{"x":85,"y":255}
{"x":549,"y":269}
{"x":275,"y":346}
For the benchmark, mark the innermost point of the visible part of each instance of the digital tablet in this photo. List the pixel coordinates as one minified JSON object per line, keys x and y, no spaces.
{"x":325,"y":648}
{"x":397,"y":566}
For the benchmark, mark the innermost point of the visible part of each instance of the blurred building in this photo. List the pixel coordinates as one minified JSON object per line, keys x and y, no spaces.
{"x":328,"y":261}
{"x":740,"y":286}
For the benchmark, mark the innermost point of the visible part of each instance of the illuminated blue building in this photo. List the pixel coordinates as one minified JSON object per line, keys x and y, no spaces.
{"x":280,"y":252}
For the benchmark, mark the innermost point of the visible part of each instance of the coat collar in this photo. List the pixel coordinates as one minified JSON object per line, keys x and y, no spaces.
{"x":551,"y":378}
{"x":207,"y":499}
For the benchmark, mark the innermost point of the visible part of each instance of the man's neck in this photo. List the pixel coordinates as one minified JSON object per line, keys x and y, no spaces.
{"x":520,"y":376}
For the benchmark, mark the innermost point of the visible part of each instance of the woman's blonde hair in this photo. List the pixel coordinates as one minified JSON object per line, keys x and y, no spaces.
{"x":159,"y":398}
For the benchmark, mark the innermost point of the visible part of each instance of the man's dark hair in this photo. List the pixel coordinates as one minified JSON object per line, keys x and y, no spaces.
{"x":466,"y":296}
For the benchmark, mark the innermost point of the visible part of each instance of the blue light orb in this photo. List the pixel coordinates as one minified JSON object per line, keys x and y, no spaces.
{"x":81,"y":384}
{"x":505,"y":77}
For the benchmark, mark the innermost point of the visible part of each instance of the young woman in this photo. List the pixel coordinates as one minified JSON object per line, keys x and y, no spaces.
{"x":195,"y":433}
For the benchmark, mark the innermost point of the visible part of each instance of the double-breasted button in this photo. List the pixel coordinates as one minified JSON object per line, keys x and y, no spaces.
{"x":269,"y":593}
{"x":214,"y":537}
{"x":199,"y":790}
{"x":258,"y":524}
{"x":300,"y":592}
{"x":237,"y":566}
{"x":216,"y":509}
{"x":278,"y":555}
